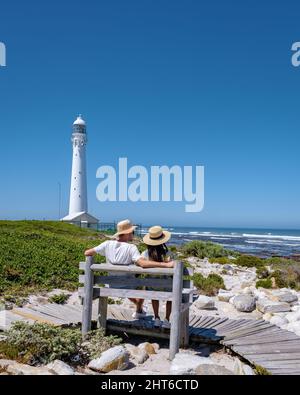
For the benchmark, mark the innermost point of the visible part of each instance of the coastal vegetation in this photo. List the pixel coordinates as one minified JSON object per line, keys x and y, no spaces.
{"x":38,"y":256}
{"x":41,"y":255}
{"x":209,"y":285}
{"x":202,"y":249}
{"x":59,"y":298}
{"x":265,"y":283}
{"x":42,"y":343}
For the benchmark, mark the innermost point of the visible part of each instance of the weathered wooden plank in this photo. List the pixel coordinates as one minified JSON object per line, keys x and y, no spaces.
{"x":36,"y":316}
{"x":193,"y":319}
{"x":246,"y":342}
{"x":204,"y":321}
{"x":241,"y":325}
{"x":176,"y":307}
{"x":132,"y":293}
{"x":284,"y":372}
{"x":282,"y":364}
{"x":274,"y":357}
{"x":248,"y":331}
{"x":218,"y":323}
{"x":102,"y":313}
{"x":229,"y":325}
{"x":280,"y":347}
{"x":64,"y":312}
{"x":214,"y":324}
{"x":117,"y":281}
{"x":88,"y":297}
{"x":131,"y":269}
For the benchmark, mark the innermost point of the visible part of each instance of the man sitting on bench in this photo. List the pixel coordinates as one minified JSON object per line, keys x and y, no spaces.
{"x":121,"y":252}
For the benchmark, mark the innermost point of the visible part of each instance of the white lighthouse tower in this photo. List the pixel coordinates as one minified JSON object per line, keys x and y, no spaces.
{"x":78,"y":207}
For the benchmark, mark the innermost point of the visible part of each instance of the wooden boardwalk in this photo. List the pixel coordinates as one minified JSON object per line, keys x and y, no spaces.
{"x":257,"y":341}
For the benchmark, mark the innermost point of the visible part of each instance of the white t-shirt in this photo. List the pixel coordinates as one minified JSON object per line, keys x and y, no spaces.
{"x":118,"y":253}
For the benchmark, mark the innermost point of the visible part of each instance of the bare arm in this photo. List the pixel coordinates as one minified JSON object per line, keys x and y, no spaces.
{"x":90,"y":252}
{"x":145,"y":264}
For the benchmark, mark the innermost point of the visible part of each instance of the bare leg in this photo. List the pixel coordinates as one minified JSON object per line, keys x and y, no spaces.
{"x":139,"y":304}
{"x":168,"y":310}
{"x":155,"y":305}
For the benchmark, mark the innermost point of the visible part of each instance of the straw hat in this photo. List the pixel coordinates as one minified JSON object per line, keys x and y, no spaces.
{"x":124,"y":227}
{"x":156,"y":236}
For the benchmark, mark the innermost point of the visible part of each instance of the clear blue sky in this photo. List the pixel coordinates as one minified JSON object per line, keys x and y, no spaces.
{"x":160,"y":82}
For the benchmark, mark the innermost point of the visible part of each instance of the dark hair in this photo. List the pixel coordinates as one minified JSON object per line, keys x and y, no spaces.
{"x":157,"y":253}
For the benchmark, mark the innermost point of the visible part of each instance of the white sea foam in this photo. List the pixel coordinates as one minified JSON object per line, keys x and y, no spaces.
{"x":282,"y":237}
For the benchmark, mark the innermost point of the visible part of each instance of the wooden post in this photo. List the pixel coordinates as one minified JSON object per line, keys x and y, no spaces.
{"x":88,"y":297}
{"x":185,"y":319}
{"x":102,"y":312}
{"x":176,"y":310}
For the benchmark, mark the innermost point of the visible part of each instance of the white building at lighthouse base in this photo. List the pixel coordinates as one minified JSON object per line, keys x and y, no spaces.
{"x":83,"y":219}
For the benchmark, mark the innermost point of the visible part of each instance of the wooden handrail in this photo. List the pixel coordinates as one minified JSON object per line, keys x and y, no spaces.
{"x":105,"y":267}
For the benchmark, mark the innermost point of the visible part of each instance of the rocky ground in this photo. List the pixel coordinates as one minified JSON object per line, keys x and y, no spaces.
{"x":240,"y":299}
{"x":142,"y":359}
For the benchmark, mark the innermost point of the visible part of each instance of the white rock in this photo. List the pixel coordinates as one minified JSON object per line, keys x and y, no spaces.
{"x":267,"y":316}
{"x":248,"y":371}
{"x":293,"y":326}
{"x":147,"y":347}
{"x":225,"y":296}
{"x":137,"y":354}
{"x":247,"y":291}
{"x":116,"y":358}
{"x":204,"y":302}
{"x":269,"y":306}
{"x":19,"y":369}
{"x":242,"y":369}
{"x":60,"y":368}
{"x":185,"y":363}
{"x":244,"y":303}
{"x":295,"y":307}
{"x":188,"y":364}
{"x":279,"y":321}
{"x":287,"y":297}
{"x":294,"y":316}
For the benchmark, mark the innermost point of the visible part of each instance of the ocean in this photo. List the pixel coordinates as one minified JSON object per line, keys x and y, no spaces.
{"x":259,"y":242}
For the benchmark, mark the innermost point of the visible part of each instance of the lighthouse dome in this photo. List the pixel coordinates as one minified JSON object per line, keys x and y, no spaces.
{"x":79,"y":121}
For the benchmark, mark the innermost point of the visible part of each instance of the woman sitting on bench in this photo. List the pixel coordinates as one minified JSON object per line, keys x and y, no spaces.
{"x":157,"y":251}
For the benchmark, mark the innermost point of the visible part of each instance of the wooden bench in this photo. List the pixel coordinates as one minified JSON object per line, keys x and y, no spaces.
{"x":100,"y":281}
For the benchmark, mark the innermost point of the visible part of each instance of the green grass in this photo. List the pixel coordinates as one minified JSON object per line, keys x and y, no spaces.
{"x":42,"y":255}
{"x":59,"y":298}
{"x":265,"y":283}
{"x":208,"y":285}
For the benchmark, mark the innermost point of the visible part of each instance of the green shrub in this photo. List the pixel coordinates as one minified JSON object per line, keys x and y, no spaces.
{"x":250,"y":261}
{"x":42,"y":255}
{"x":202,"y":249}
{"x":40,"y":343}
{"x":223,"y":260}
{"x":172,"y":248}
{"x":262,"y":272}
{"x":96,"y":342}
{"x":59,"y":298}
{"x":114,"y":301}
{"x":43,"y":343}
{"x":287,"y":278}
{"x":208,"y":285}
{"x":265,"y":283}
